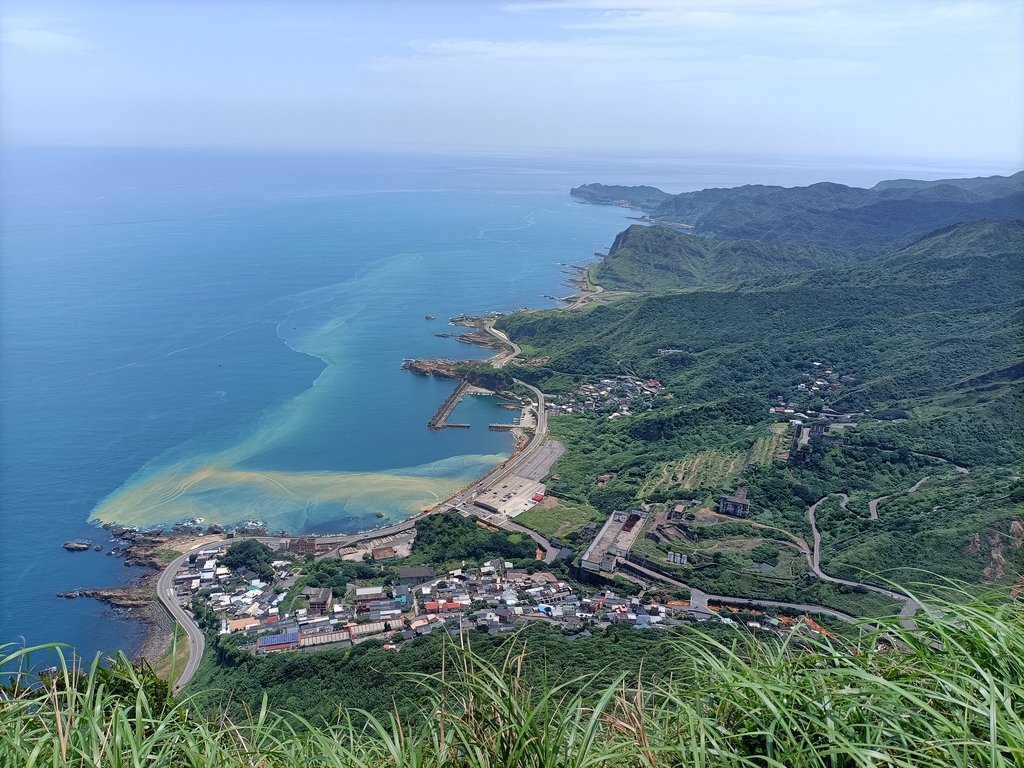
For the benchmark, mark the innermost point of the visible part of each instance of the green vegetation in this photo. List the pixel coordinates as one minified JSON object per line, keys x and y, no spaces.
{"x":378,"y":681}
{"x":660,"y":259}
{"x":890,"y":214}
{"x":250,"y":554}
{"x":948,"y":693}
{"x":172,"y":663}
{"x":450,"y":537}
{"x":556,"y":518}
{"x":927,"y":342}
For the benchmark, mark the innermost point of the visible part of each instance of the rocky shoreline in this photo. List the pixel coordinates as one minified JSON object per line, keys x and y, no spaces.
{"x":137,"y":601}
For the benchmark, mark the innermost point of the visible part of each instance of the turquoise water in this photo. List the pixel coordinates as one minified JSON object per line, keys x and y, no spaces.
{"x":220,"y":335}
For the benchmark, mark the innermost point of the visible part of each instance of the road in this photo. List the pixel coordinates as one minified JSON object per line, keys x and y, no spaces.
{"x":917,"y":486}
{"x":196,"y":639}
{"x":873,"y":504}
{"x":550,"y":552}
{"x":873,"y":507}
{"x":699,"y":600}
{"x":535,"y":459}
{"x":503,"y":358}
{"x":910,"y":606}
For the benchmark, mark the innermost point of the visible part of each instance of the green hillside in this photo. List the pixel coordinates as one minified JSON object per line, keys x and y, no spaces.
{"x":927,"y":342}
{"x":659,"y":258}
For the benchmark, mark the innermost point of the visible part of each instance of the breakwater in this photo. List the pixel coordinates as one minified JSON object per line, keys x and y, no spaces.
{"x":440,"y":418}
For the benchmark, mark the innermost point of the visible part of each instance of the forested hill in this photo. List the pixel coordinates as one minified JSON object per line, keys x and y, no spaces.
{"x":917,"y":328}
{"x":925,"y":348}
{"x":890,"y":214}
{"x":657,"y":258}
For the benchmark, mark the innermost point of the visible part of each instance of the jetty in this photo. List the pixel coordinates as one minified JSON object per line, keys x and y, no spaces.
{"x":440,"y":418}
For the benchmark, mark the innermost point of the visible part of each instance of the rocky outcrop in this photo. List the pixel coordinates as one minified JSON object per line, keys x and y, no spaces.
{"x":443,"y":369}
{"x":119,"y":597}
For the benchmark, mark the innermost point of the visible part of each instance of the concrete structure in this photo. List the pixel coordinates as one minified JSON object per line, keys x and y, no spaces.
{"x":737,"y":505}
{"x":415,"y":575}
{"x":614,"y":541}
{"x":510,"y":495}
{"x":321,"y":600}
{"x":364,"y":596}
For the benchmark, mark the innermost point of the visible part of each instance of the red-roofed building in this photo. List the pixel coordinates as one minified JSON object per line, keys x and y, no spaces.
{"x":442,"y":607}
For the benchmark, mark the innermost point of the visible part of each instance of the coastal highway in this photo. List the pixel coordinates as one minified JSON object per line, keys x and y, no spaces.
{"x":196,"y":639}
{"x":499,"y":360}
{"x":532,"y":461}
{"x":537,"y":456}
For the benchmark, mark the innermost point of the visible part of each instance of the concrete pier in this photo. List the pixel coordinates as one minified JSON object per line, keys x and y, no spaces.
{"x":440,"y":418}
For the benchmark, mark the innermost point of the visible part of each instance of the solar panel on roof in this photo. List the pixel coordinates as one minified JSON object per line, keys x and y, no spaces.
{"x":280,"y":639}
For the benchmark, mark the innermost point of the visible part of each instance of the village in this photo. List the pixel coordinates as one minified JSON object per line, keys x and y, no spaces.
{"x":274,"y":613}
{"x":613,"y":581}
{"x":617,"y":396}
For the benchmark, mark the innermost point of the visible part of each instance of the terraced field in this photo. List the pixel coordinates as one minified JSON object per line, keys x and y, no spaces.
{"x":700,"y":470}
{"x":771,"y":447}
{"x":717,"y":468}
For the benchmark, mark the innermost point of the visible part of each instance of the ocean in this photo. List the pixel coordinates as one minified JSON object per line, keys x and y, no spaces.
{"x":220,"y":334}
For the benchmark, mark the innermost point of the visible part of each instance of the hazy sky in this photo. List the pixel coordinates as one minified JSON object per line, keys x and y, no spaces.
{"x":895,"y":78}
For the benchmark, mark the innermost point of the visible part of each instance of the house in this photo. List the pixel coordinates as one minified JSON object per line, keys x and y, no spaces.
{"x":321,"y":600}
{"x":366,"y":595}
{"x":442,"y":607}
{"x":402,"y":594}
{"x":415,"y":575}
{"x":241,"y":625}
{"x":818,"y":431}
{"x":737,"y":505}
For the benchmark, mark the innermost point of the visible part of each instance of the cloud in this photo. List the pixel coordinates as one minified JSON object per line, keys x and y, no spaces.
{"x":846,"y":24}
{"x":35,"y":36}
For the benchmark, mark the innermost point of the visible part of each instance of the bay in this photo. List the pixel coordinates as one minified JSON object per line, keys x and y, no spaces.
{"x":219,"y":334}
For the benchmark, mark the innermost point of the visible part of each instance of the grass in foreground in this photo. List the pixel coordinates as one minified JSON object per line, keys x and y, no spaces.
{"x":949,"y":693}
{"x":172,"y":663}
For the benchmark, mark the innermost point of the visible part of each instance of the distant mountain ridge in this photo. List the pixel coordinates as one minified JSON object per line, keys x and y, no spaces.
{"x":891,"y":214}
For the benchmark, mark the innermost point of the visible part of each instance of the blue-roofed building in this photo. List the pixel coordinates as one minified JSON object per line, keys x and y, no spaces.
{"x":279,"y":642}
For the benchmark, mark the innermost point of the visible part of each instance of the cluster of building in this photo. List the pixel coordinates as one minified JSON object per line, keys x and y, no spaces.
{"x":619,"y":396}
{"x":494,"y":597}
{"x":824,"y":379}
{"x":240,"y":598}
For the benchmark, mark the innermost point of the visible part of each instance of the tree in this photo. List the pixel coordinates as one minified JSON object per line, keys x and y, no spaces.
{"x":250,"y":554}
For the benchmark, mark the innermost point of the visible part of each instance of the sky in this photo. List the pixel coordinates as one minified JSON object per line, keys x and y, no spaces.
{"x":925,"y":79}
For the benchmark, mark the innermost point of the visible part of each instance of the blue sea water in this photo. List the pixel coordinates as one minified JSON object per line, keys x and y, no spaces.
{"x":220,"y":334}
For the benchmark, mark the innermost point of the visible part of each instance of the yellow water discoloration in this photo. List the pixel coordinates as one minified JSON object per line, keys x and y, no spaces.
{"x":289,"y":500}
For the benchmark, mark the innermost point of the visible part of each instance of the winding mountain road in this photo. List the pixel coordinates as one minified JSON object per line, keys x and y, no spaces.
{"x":873,"y":507}
{"x":910,"y":606}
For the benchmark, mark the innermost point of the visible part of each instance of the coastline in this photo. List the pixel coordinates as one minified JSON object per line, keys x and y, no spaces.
{"x":139,"y":601}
